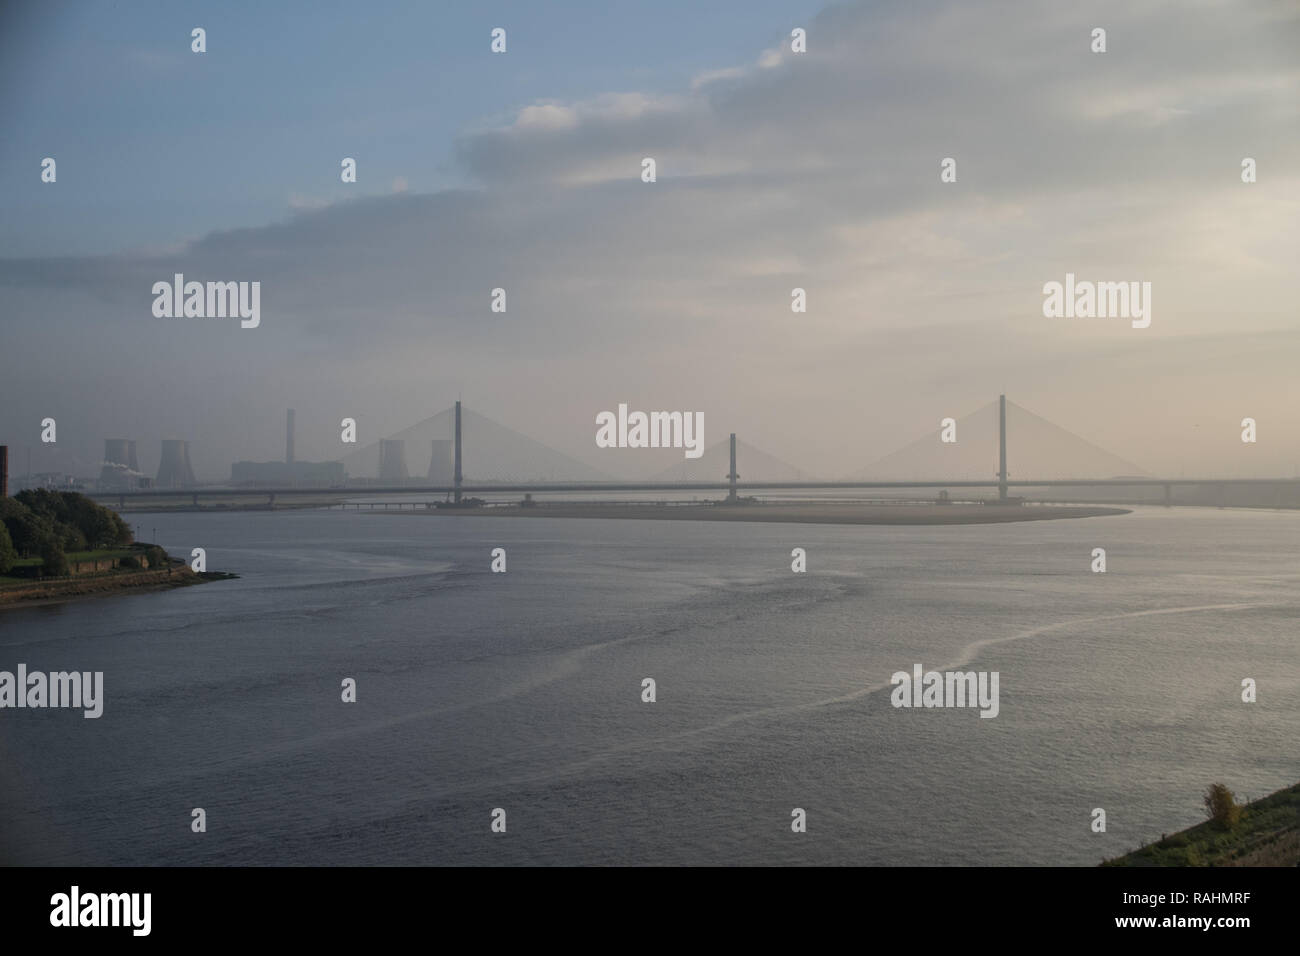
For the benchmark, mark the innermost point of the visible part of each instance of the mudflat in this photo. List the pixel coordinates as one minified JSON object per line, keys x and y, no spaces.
{"x":799,"y":512}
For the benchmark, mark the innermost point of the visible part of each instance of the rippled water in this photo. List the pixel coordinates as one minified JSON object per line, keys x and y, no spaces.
{"x":523,"y":691}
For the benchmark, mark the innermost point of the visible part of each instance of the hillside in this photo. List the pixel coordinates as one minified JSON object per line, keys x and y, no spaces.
{"x":1268,"y":834}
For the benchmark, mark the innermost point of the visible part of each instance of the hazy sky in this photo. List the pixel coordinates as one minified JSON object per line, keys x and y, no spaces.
{"x":775,"y":170}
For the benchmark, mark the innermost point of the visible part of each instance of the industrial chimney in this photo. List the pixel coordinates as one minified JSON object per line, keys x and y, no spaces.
{"x":288,"y":439}
{"x":4,"y":471}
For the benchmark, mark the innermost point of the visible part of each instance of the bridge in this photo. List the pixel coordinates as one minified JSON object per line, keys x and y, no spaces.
{"x":458,"y":489}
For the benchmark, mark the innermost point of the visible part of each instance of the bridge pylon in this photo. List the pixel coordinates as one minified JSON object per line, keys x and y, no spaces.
{"x":732,"y":475}
{"x":1002,"y":448}
{"x":456,"y":477}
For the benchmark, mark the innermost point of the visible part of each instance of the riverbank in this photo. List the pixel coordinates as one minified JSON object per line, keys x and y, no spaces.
{"x":1268,"y":834}
{"x":797,"y":513}
{"x":225,"y":505}
{"x":57,"y":590}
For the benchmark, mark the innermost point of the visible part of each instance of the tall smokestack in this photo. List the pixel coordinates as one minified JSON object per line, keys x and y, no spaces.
{"x":1002,"y":447}
{"x":457,"y":475}
{"x":4,"y":471}
{"x":288,"y":439}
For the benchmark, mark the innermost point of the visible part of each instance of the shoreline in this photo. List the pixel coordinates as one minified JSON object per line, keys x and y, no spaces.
{"x":803,"y":513}
{"x":1268,"y":834}
{"x":60,"y":591}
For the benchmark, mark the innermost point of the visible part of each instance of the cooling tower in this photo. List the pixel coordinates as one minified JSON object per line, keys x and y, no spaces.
{"x":440,"y":465}
{"x":174,"y":470}
{"x":119,"y":451}
{"x":121,"y":469}
{"x":392,"y":461}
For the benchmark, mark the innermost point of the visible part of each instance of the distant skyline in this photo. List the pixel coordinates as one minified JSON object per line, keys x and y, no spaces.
{"x":775,"y":171}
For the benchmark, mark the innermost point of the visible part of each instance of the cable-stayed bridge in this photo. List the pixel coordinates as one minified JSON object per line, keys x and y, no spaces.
{"x":1048,"y":457}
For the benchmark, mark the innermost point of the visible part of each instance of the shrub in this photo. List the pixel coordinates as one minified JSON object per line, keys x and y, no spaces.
{"x":54,"y":563}
{"x":128,"y":562}
{"x":1221,"y":806}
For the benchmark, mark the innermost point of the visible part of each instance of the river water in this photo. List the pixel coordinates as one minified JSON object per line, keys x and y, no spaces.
{"x":522,"y":691}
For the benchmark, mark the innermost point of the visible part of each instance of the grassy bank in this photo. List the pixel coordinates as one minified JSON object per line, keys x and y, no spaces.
{"x":102,"y":554}
{"x":1267,"y":834}
{"x":26,"y":592}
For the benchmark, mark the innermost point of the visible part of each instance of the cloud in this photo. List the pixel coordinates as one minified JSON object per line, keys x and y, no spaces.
{"x":817,"y":170}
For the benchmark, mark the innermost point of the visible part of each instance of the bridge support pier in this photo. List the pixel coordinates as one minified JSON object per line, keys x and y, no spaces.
{"x":271,"y":501}
{"x":195,"y":499}
{"x":1169,"y":495}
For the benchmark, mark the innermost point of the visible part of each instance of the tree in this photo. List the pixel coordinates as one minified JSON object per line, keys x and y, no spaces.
{"x":74,"y":519}
{"x":1221,"y":806}
{"x":27,"y":529}
{"x":7,"y":553}
{"x":54,"y":563}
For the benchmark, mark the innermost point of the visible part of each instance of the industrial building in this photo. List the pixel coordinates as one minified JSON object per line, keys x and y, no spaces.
{"x":302,"y":474}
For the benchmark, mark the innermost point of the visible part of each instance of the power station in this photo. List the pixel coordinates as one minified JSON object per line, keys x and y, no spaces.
{"x":290,"y":472}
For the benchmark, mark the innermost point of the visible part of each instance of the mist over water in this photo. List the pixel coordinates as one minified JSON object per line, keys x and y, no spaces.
{"x":522,"y":691}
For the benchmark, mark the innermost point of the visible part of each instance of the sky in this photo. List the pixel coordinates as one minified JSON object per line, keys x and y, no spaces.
{"x":775,"y":170}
